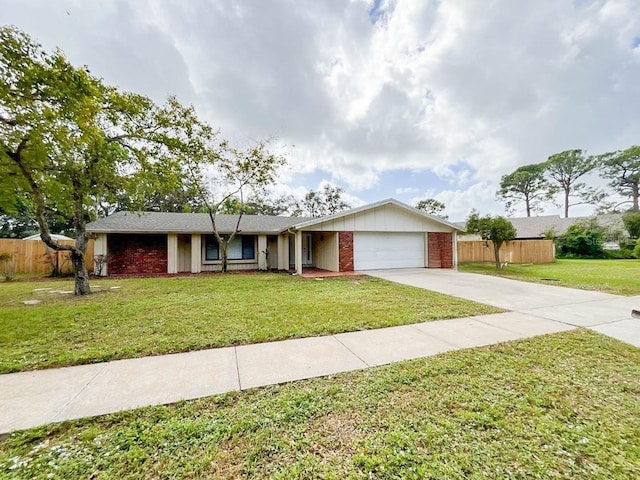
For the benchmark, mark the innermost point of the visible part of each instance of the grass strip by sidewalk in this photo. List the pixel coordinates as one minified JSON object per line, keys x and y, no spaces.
{"x":557,"y":406}
{"x":152,"y":316}
{"x":621,"y":277}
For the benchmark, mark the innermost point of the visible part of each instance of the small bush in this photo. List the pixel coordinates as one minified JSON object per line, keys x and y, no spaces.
{"x":7,"y":266}
{"x":622,"y":254}
{"x":636,"y":250}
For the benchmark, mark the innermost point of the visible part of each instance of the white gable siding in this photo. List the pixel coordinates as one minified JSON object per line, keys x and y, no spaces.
{"x":385,"y":218}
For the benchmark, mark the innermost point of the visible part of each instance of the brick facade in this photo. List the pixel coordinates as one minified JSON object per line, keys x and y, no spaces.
{"x":440,"y":248}
{"x":345,"y":251}
{"x":136,"y":254}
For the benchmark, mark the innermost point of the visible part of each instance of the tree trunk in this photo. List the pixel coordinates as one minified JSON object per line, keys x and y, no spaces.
{"x":496,"y":253}
{"x":223,"y":256}
{"x":80,"y":273}
{"x":528,"y":207}
{"x":635,"y":194}
{"x":566,"y":204}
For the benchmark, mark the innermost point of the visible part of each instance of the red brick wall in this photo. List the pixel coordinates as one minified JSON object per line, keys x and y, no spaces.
{"x":136,"y":254}
{"x":440,"y":247}
{"x":345,"y":251}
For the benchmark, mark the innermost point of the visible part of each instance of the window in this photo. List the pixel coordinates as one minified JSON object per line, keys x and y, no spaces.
{"x":211,"y":249}
{"x":241,"y":248}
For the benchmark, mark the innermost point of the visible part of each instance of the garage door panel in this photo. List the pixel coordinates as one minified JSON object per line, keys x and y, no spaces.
{"x":377,"y":250}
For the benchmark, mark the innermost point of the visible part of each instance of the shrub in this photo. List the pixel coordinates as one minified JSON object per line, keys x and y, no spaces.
{"x":636,"y":250}
{"x":7,"y":265}
{"x":631,"y":221}
{"x":582,"y":240}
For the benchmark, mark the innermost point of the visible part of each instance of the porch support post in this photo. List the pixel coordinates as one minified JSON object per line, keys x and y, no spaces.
{"x":100,"y":248}
{"x":172,"y":253}
{"x":455,"y":249}
{"x":196,"y":253}
{"x":283,"y":251}
{"x":298,"y":252}
{"x":262,"y":252}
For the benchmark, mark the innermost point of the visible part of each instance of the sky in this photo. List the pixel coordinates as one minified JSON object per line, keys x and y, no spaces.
{"x":404,"y":99}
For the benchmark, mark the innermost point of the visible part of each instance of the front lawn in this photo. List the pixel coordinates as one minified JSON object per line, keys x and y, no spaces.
{"x":152,"y":316}
{"x":621,"y":277}
{"x":557,"y":406}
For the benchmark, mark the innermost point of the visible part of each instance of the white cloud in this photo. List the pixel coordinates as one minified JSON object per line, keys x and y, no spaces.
{"x":469,"y":90}
{"x":406,"y":190}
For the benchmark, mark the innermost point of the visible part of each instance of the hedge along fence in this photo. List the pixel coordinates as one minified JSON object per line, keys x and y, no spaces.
{"x":515,"y":251}
{"x":33,"y":256}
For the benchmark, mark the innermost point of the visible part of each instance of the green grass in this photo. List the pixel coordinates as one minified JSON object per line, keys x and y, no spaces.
{"x":164,"y":315}
{"x":613,"y":276}
{"x":558,"y":406}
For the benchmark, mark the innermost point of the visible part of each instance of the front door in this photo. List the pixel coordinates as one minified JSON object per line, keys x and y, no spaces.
{"x":307,"y":259}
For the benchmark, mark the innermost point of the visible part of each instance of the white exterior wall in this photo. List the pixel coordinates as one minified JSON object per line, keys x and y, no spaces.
{"x":261,"y":253}
{"x":184,"y":253}
{"x":272,"y":246}
{"x":172,"y":253}
{"x":100,"y":248}
{"x":283,"y":251}
{"x":325,"y":251}
{"x":385,"y":218}
{"x":232,"y":265}
{"x":196,"y":253}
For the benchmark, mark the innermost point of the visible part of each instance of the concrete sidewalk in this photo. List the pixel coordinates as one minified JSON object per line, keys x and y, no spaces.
{"x":30,"y":399}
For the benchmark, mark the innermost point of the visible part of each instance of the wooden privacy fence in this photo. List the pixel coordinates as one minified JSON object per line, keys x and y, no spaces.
{"x":516,"y":251}
{"x":33,"y":256}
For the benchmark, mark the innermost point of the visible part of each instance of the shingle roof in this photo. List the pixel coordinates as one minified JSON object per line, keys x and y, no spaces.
{"x":534,"y":227}
{"x":152,"y":222}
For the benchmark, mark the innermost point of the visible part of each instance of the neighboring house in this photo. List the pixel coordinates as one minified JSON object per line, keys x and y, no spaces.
{"x":536,"y":228}
{"x":55,"y":236}
{"x":386,"y":234}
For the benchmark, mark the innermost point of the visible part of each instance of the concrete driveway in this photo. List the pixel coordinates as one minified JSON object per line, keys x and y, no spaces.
{"x":603,"y":312}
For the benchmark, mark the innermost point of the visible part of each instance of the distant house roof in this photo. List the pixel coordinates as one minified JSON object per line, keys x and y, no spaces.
{"x":55,"y":236}
{"x":162,"y":222}
{"x":534,"y":227}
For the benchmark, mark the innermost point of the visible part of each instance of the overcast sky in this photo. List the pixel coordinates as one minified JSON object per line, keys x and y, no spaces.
{"x":403,"y":99}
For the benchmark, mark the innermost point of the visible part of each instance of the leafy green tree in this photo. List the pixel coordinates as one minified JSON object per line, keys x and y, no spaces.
{"x":565,"y":169}
{"x":497,"y":230}
{"x":623,"y":169}
{"x":432,"y":207}
{"x":582,"y":239}
{"x":526,"y":184}
{"x":70,"y":142}
{"x":631,"y":221}
{"x":238,"y":173}
{"x":260,"y":204}
{"x":328,"y":201}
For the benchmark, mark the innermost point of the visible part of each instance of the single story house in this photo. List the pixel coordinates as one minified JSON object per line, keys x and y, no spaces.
{"x":536,"y":228}
{"x":386,"y":234}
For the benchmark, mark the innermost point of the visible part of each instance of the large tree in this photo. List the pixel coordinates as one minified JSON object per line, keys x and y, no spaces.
{"x":496,"y":230}
{"x":327,"y":201}
{"x":623,"y":169}
{"x":70,"y":142}
{"x":565,"y":169}
{"x":233,"y":175}
{"x":432,"y":207}
{"x":526,"y":184}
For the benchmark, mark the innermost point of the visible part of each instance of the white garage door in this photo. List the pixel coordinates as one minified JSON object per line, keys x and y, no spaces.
{"x":375,"y":250}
